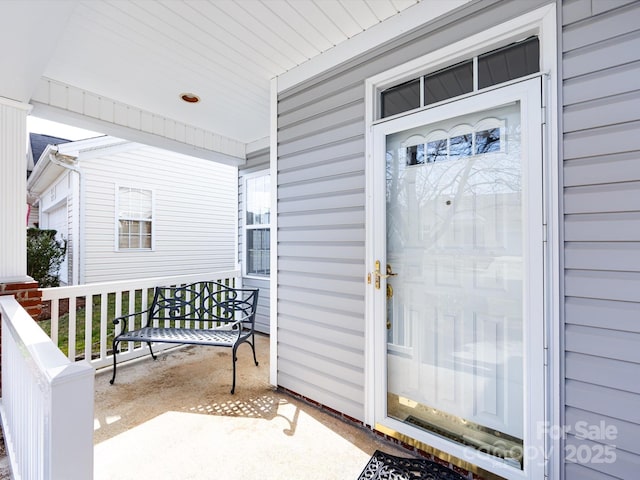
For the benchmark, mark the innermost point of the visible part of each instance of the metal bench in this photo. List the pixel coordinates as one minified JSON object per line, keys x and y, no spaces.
{"x":201,"y":313}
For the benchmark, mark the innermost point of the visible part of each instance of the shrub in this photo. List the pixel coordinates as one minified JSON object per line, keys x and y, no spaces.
{"x":44,"y":256}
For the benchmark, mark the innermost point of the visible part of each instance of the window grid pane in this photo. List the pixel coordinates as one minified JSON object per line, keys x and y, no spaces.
{"x":258,"y":201}
{"x":401,"y":98}
{"x":258,"y":253}
{"x":508,"y":63}
{"x":448,"y":83}
{"x":135,"y":218}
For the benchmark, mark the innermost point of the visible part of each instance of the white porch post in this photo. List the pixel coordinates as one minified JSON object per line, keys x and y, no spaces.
{"x":13,"y":185}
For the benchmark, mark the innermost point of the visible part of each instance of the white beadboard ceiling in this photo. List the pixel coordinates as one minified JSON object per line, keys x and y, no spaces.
{"x":145,"y":53}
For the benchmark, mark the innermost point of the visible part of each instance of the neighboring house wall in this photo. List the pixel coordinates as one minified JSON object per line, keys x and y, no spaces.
{"x":194,"y":220}
{"x":54,"y":213}
{"x":321,"y":212}
{"x":256,"y":162}
{"x":601,"y":41}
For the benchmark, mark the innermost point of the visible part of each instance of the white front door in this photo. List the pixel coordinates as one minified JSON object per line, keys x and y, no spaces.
{"x":458,"y":315}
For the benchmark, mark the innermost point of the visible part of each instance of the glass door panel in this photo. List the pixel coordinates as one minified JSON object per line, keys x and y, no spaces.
{"x":455,"y":234}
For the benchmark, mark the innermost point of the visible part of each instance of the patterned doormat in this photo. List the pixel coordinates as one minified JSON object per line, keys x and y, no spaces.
{"x":389,"y":467}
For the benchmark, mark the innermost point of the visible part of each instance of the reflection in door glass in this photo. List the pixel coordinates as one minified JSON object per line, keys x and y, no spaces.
{"x":415,"y":154}
{"x":437,"y":151}
{"x":455,"y":310}
{"x":460,"y":146}
{"x":488,"y":141}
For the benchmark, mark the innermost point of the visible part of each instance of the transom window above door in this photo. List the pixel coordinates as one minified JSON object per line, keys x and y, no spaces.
{"x":498,"y":66}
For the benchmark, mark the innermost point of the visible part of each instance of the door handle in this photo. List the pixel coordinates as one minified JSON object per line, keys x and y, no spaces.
{"x":378,"y":274}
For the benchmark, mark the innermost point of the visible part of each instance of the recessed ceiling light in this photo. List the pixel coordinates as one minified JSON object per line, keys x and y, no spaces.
{"x":190,"y":97}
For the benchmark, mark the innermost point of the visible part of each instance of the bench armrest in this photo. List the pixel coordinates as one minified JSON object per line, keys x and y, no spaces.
{"x":117,"y":320}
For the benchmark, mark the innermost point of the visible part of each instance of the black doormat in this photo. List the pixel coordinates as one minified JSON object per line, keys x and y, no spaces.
{"x":389,"y":467}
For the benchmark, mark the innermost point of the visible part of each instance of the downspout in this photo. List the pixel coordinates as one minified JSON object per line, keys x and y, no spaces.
{"x":70,"y":163}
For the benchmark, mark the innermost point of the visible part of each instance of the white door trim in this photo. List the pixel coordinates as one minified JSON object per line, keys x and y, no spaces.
{"x":541,"y":22}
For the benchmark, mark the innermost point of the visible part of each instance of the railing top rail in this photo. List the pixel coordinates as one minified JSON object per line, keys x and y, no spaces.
{"x":53,"y":293}
{"x":48,"y":359}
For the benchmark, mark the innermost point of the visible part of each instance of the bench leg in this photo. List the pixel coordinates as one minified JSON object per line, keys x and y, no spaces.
{"x":114,"y":353}
{"x":152,"y":354}
{"x":253,"y":347}
{"x":233,"y":359}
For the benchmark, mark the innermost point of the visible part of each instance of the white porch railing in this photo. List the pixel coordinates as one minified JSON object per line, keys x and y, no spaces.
{"x":81,"y":315}
{"x":47,"y":402}
{"x":47,"y":398}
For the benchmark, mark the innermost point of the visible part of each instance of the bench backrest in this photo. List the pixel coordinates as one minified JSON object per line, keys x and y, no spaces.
{"x":204,"y":301}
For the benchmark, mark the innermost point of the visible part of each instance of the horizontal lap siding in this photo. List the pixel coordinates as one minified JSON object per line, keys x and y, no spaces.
{"x":194,"y":218}
{"x":256,"y":162}
{"x":321,"y":247}
{"x":321,"y":212}
{"x":601,"y":145}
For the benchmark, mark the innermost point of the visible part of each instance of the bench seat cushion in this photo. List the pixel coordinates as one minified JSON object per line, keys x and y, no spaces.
{"x":215,"y":337}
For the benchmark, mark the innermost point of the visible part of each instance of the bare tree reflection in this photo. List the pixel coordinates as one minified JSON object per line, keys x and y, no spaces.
{"x":450,"y":173}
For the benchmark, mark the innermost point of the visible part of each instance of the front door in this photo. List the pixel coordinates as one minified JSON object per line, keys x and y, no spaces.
{"x":459,"y":308}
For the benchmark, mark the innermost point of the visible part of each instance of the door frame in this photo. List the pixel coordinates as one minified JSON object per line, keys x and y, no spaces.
{"x":528,"y":94}
{"x":540,"y":22}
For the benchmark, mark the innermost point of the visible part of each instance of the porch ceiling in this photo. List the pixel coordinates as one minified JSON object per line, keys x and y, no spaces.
{"x":145,"y":53}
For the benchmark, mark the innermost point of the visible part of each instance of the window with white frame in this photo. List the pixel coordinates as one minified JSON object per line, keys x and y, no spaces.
{"x":135,"y":218}
{"x":257,"y":226}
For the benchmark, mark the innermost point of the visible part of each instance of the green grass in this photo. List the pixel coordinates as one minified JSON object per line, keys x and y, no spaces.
{"x":81,"y":313}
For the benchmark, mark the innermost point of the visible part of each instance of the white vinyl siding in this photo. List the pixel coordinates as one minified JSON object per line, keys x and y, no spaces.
{"x":55,"y":210}
{"x":256,"y":162}
{"x":601,"y":116}
{"x":321,"y":212}
{"x":194,"y":214}
{"x":58,"y":220}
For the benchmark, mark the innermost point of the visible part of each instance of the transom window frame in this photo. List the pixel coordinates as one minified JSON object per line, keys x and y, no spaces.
{"x":477,"y":74}
{"x":246,"y":226}
{"x":450,"y":57}
{"x":540,"y":22}
{"x":117,"y":219}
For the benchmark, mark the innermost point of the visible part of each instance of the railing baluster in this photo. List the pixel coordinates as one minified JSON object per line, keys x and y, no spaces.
{"x":55,"y":314}
{"x":132,"y":306}
{"x":72,"y":329}
{"x":118,"y":309}
{"x":88,"y":327}
{"x":144,"y":302}
{"x":104,"y":303}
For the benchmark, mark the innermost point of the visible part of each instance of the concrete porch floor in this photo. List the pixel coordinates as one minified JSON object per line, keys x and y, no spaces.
{"x":174,"y":418}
